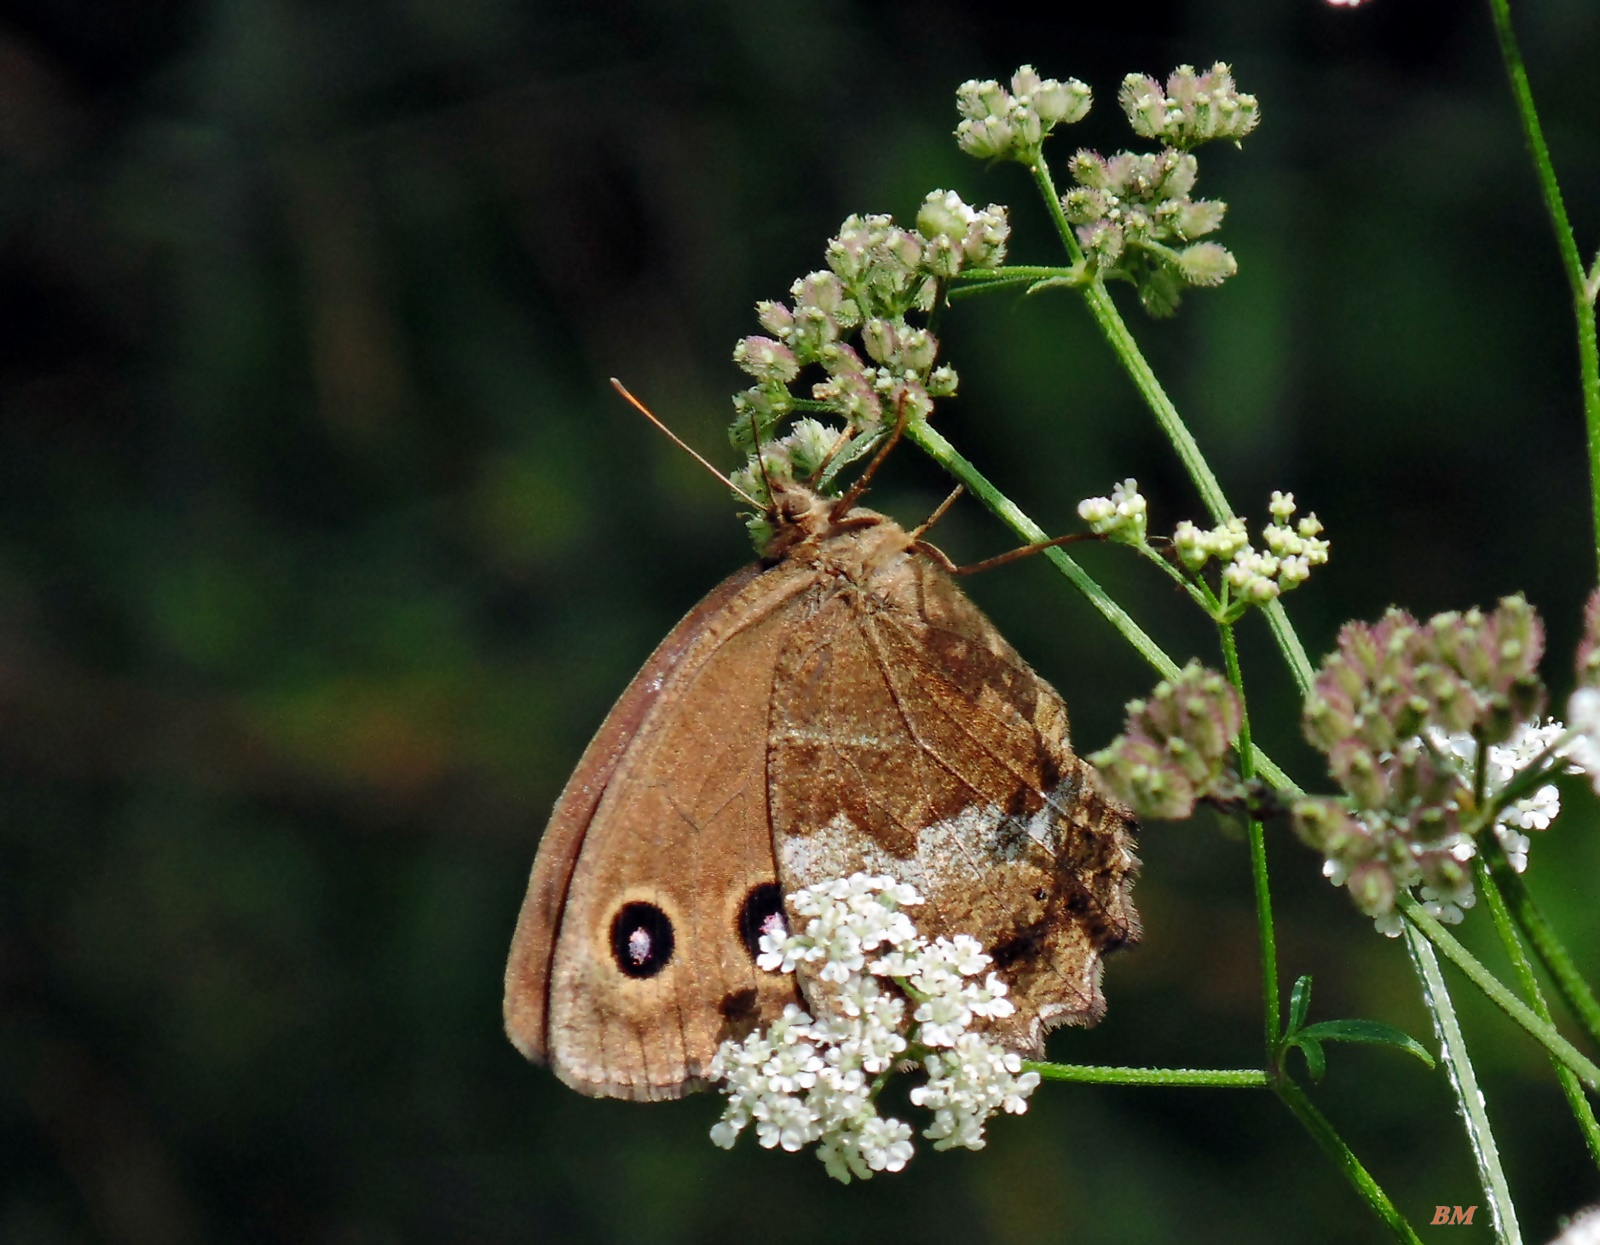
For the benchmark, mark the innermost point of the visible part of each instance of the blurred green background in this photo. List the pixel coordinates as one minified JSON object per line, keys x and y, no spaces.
{"x":324,"y":547}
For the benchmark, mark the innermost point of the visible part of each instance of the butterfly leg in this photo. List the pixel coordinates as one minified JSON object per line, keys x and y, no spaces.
{"x":922,"y":529}
{"x":1024,"y":551}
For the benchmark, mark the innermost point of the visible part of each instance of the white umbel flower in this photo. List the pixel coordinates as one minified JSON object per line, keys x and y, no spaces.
{"x":1505,"y":761}
{"x":1583,"y":716}
{"x":811,"y":1080}
{"x":1120,"y":517}
{"x":1582,"y":1229}
{"x":967,"y":1085}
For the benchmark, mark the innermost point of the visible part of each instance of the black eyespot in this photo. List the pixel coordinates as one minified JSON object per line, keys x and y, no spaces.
{"x":1040,"y":895}
{"x":641,"y":939}
{"x":761,"y":913}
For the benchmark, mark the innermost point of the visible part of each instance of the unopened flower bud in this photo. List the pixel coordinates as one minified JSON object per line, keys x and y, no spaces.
{"x":776,"y":318}
{"x":1176,"y":746}
{"x":1329,"y":827}
{"x":1194,"y":218}
{"x":943,"y":214}
{"x":1028,"y":128}
{"x":1062,"y":103}
{"x":976,"y":100}
{"x":766,"y":360}
{"x":987,"y":138}
{"x":1144,"y":103}
{"x":1206,"y":263}
{"x":1102,"y":243}
{"x":985,"y":242}
{"x":1372,"y":887}
{"x":942,"y":382}
{"x":1025,"y":82}
{"x":880,"y":339}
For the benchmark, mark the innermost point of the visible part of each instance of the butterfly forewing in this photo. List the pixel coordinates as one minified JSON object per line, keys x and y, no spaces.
{"x":659,"y":859}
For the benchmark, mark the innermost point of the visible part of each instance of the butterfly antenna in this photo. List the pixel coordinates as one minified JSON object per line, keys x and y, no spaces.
{"x":755,"y":439}
{"x":843,"y":505}
{"x":683,"y":445}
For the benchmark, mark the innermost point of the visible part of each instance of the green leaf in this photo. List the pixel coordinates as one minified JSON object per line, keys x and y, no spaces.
{"x":1056,"y":283}
{"x":1374,"y":1032}
{"x":857,"y":447}
{"x":1299,"y":1004}
{"x":1316,"y":1063}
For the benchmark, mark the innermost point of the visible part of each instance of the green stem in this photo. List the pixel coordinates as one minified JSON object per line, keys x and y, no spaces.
{"x":931,"y":442}
{"x":1502,"y":998}
{"x":1581,"y":1110}
{"x":1096,"y":1074}
{"x":967,"y":291}
{"x":1583,"y":291}
{"x":1258,"y":852}
{"x":1318,"y":1126}
{"x":1138,"y":368}
{"x":1464,"y":1083}
{"x":1244,"y":1078}
{"x":1009,"y":273}
{"x":1546,"y":943}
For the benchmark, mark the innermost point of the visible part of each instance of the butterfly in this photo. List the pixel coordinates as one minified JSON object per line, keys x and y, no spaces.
{"x":840,"y":706}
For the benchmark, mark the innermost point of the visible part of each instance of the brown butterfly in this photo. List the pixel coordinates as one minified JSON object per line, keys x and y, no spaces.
{"x":839,"y":706}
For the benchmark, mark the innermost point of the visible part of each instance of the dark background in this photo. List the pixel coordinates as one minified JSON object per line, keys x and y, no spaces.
{"x":324,"y":547}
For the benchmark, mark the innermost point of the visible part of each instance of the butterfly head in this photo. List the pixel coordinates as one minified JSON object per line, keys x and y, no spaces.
{"x":799,"y":515}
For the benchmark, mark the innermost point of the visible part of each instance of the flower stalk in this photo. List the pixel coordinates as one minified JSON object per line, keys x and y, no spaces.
{"x":1464,"y":1083}
{"x":1258,"y":853}
{"x":1200,"y":1078}
{"x":1544,"y":940}
{"x":1584,"y":286}
{"x":1582,"y":1112}
{"x":1541,"y":1032}
{"x":1345,"y":1159}
{"x":1122,"y":343}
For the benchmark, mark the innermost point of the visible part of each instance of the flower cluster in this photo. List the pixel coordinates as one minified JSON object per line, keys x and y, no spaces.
{"x":956,"y":236}
{"x":1010,"y":125}
{"x":1136,"y":221}
{"x":1134,"y":213}
{"x":1249,"y":577}
{"x":1255,"y":576}
{"x":1401,"y":710}
{"x":1469,"y":672}
{"x":1120,"y":517}
{"x":1176,"y":746}
{"x":1195,"y":107}
{"x":816,"y":1079}
{"x":1503,"y":762}
{"x":849,"y":322}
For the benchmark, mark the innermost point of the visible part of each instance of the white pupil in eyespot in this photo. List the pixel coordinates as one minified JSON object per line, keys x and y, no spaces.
{"x":639,"y":946}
